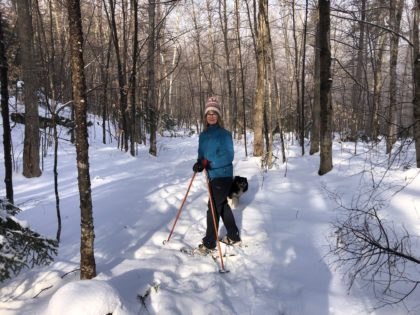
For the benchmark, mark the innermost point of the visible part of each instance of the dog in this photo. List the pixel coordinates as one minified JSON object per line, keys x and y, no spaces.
{"x":238,"y":188}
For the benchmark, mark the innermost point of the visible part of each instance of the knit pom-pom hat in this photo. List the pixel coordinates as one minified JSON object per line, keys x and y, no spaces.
{"x":213,"y":105}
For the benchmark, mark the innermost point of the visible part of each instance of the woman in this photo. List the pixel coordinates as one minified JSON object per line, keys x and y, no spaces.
{"x":215,"y":154}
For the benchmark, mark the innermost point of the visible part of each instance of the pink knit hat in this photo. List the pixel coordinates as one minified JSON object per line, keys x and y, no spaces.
{"x":213,"y":104}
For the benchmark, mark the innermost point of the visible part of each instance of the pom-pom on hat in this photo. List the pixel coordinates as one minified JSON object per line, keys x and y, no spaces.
{"x":213,"y":105}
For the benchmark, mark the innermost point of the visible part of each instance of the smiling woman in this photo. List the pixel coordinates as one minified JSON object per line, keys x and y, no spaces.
{"x":215,"y":154}
{"x":212,"y":113}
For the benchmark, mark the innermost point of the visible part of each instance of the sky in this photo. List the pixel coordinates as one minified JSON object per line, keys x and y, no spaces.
{"x":285,"y":220}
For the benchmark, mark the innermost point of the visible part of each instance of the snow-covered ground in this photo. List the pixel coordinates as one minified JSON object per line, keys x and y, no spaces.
{"x":284,"y":218}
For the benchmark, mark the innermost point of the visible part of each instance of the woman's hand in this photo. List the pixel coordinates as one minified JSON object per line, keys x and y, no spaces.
{"x":200,"y":165}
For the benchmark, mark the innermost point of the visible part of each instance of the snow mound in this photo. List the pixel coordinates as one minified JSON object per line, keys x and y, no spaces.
{"x":87,"y":297}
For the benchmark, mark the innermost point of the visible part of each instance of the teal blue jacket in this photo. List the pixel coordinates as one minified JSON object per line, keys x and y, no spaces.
{"x":216,"y":145}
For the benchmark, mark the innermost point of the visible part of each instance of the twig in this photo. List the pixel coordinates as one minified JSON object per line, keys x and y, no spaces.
{"x":44,"y":289}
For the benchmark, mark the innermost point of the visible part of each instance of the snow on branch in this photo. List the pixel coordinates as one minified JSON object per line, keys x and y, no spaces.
{"x":20,"y":246}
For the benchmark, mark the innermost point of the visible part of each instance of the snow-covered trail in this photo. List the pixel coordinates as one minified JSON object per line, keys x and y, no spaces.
{"x":283,"y":223}
{"x":280,"y":270}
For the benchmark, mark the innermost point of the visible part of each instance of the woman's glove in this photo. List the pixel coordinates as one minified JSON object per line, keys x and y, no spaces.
{"x":200,"y":165}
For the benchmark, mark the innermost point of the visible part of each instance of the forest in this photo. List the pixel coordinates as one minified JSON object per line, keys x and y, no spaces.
{"x":321,"y":71}
{"x":276,"y":66}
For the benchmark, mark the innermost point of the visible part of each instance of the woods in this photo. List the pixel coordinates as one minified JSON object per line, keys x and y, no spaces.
{"x":311,"y":71}
{"x":147,"y":62}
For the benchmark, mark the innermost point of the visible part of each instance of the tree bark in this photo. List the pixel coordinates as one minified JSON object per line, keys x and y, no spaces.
{"x":416,"y":77}
{"x":377,"y":86}
{"x":224,"y":27}
{"x":151,"y":77}
{"x":238,"y":22}
{"x":396,"y":8}
{"x":296,"y":73}
{"x":122,"y":84}
{"x":356,"y":94}
{"x":87,"y":258}
{"x":261,"y":79}
{"x":316,"y":108}
{"x":133,"y":78}
{"x":7,"y":137}
{"x":325,"y":88}
{"x":31,"y":158}
{"x":302,"y":105}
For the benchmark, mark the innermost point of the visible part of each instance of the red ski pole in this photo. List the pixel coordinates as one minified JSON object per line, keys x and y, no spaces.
{"x":180,"y":209}
{"x":223,"y":270}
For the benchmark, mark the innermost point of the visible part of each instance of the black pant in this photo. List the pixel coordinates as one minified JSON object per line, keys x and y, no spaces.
{"x":219,"y":188}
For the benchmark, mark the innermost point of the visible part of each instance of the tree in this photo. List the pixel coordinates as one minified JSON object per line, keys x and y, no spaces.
{"x":357,"y":101}
{"x":378,"y":41}
{"x":296,"y":71}
{"x":241,"y":69}
{"x":7,"y":137}
{"x":31,"y":143}
{"x":133,"y":78}
{"x":325,"y":88}
{"x":316,"y":107}
{"x":302,"y":105}
{"x":225,"y":30}
{"x":416,"y":76}
{"x":122,"y":84}
{"x":396,"y":8}
{"x":151,"y":76}
{"x":87,"y":258}
{"x":260,"y":98}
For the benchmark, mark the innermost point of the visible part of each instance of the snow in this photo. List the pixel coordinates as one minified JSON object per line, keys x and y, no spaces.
{"x":284,"y":218}
{"x":85,"y":297}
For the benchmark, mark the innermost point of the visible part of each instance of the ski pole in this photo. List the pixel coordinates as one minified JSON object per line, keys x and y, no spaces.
{"x":180,"y":209}
{"x":223,"y":270}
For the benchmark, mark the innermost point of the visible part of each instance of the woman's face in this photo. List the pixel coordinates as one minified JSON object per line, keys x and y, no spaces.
{"x":211,"y":117}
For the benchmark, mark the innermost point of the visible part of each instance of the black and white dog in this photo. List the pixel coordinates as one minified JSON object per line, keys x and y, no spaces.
{"x":239,"y":186}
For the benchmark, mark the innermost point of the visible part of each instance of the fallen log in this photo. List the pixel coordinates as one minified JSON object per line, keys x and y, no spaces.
{"x":45,"y":122}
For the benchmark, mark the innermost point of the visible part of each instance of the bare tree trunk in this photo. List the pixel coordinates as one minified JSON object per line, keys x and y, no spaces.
{"x":316,"y":109}
{"x":151,"y":77}
{"x":356,"y":96}
{"x":225,"y":27}
{"x":31,"y":143}
{"x":274,"y":98}
{"x":121,"y":78}
{"x":252,"y":27}
{"x":325,"y":88}
{"x":261,"y":79}
{"x":105,"y":56}
{"x":396,"y":7}
{"x":377,"y":86}
{"x":133,"y":78}
{"x":268,"y":112}
{"x":416,"y":76}
{"x":57,"y":196}
{"x":238,"y":22}
{"x":302,"y":105}
{"x":87,"y":258}
{"x":7,"y":137}
{"x":296,"y":72}
{"x":104,"y":94}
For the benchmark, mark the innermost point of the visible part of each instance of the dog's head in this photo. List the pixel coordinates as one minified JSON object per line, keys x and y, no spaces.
{"x":241,"y":183}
